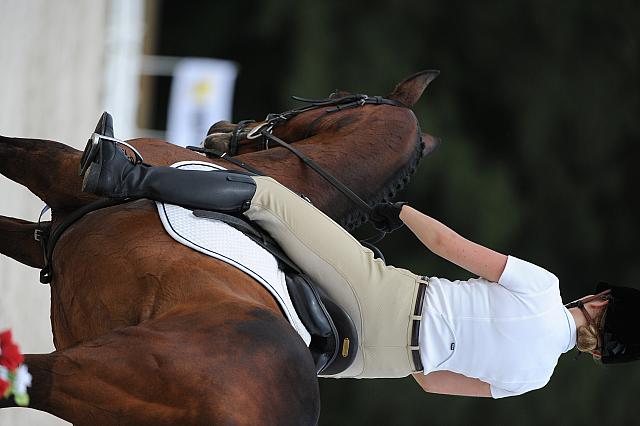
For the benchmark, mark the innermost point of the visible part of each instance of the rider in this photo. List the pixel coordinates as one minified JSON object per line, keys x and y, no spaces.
{"x":498,"y":335}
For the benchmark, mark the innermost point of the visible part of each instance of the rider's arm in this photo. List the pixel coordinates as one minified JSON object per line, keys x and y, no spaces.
{"x":447,"y":244}
{"x":449,"y":383}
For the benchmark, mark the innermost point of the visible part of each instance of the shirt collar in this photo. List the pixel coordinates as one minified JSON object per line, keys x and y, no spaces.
{"x":573,"y":335}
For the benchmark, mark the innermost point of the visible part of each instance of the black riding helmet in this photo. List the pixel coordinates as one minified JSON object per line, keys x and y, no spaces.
{"x":619,"y":338}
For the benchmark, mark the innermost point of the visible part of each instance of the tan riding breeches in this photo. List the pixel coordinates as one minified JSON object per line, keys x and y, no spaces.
{"x":379,"y":298}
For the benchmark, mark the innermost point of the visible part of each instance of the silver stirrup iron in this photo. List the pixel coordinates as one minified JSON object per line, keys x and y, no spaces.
{"x":95,"y":142}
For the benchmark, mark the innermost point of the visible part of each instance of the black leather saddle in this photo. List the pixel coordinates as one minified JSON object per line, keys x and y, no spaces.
{"x":334,"y":339}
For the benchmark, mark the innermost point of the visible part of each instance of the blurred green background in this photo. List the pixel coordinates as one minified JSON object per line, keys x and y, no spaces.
{"x":537,"y":106}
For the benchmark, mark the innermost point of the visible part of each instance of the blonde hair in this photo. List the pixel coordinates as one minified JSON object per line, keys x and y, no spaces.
{"x":587,"y":340}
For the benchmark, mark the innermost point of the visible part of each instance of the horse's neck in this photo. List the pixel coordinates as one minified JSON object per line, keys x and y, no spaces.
{"x":365,"y":152}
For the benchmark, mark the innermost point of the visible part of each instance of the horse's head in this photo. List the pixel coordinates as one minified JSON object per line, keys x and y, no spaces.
{"x":372,"y":144}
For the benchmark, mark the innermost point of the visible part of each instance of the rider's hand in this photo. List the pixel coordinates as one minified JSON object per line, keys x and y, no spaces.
{"x":386,"y":216}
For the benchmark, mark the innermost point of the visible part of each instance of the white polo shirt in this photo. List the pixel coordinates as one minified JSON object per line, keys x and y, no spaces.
{"x":508,"y":334}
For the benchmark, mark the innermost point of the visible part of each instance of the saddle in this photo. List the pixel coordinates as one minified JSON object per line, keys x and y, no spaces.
{"x":334,"y":339}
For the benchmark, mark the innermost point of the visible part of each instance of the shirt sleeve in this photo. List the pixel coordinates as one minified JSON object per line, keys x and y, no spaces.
{"x":520,"y":276}
{"x":514,"y":389}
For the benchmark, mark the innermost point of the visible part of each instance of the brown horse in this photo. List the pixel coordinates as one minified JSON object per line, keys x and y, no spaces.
{"x":151,"y":332}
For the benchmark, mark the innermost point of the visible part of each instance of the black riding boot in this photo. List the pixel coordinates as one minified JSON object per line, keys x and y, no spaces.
{"x":112,"y":174}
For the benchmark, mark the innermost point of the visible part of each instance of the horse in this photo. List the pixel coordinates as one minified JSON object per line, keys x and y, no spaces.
{"x":151,"y":332}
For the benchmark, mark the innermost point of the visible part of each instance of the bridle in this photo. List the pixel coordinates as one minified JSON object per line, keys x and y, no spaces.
{"x":275,"y":119}
{"x":338,"y":104}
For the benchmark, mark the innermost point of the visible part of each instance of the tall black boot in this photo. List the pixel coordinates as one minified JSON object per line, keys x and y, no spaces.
{"x":112,"y":174}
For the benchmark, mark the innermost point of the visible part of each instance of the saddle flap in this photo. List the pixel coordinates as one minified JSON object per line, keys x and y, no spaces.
{"x":347,"y":336}
{"x":334,"y":339}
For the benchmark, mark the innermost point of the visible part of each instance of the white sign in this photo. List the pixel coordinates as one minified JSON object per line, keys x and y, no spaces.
{"x":201,"y":94}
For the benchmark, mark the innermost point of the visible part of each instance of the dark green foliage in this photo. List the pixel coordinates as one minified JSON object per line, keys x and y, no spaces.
{"x":537,"y":105}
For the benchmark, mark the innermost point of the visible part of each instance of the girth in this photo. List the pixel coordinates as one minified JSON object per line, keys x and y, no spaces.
{"x":334,"y":339}
{"x":48,"y":236}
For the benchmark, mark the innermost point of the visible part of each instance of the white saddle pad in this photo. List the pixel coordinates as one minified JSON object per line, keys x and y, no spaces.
{"x":224,"y":242}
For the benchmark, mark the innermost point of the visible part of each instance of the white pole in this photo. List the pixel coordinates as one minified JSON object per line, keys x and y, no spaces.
{"x":123,"y":61}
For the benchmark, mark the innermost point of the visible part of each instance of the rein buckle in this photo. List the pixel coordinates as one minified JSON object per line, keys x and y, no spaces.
{"x":256,"y":132}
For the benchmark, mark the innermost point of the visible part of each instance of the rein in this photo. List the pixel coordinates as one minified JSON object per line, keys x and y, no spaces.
{"x":325,"y":175}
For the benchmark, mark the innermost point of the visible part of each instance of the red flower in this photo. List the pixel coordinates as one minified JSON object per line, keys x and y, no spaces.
{"x":10,"y":356}
{"x":3,"y":387}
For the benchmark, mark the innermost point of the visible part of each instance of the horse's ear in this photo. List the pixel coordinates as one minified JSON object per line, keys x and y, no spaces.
{"x":409,"y":90}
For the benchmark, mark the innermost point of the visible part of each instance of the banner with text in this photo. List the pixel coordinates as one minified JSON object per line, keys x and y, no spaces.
{"x":201,"y":94}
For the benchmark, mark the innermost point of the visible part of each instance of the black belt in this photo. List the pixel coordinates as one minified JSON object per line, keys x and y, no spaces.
{"x":415,"y":324}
